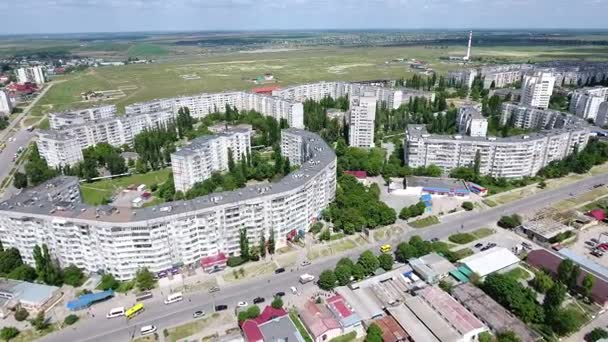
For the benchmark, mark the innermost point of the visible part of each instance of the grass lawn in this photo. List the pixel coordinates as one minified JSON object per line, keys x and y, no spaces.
{"x":191,"y":328}
{"x":482,"y":232}
{"x":424,"y":222}
{"x":351,"y":336}
{"x":584,"y":198}
{"x":518,"y":273}
{"x":296,"y":320}
{"x":147,"y":338}
{"x":32,"y":334}
{"x":93,"y":193}
{"x":330,"y":249}
{"x":251,"y":271}
{"x":146,"y":50}
{"x":463,"y":253}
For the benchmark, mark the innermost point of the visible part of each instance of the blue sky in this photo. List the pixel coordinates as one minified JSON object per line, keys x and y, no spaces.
{"x":53,"y":16}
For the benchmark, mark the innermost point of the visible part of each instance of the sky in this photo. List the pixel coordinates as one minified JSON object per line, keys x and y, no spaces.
{"x":68,"y":16}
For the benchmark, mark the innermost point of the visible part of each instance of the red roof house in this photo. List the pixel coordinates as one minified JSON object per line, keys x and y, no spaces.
{"x":253,"y":328}
{"x":265,"y":90}
{"x":391,"y":330}
{"x":357,"y":174}
{"x":214,"y":263}
{"x":597,"y":214}
{"x":319,"y":322}
{"x":548,"y":261}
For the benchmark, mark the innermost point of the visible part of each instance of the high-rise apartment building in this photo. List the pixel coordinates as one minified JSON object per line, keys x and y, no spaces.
{"x":536,"y":89}
{"x":6,"y":107}
{"x":31,"y":74}
{"x":585,"y":103}
{"x":471,"y":122}
{"x":59,"y":149}
{"x":361,"y":117}
{"x":208,"y":154}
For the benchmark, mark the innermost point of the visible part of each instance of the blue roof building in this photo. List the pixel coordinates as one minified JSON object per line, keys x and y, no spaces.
{"x":89,"y":299}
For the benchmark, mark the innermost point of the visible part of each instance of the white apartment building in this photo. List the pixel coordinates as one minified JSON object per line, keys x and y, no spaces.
{"x":512,"y":157}
{"x":361,"y":117}
{"x":6,"y":106}
{"x":463,"y":77}
{"x":602,"y":115}
{"x":585,"y":103}
{"x":470,"y":121}
{"x":119,"y":241}
{"x":536,"y":89}
{"x":208,"y":154}
{"x":31,"y":74}
{"x":533,"y":118}
{"x":81,"y":116}
{"x":116,"y":131}
{"x":59,"y":149}
{"x":204,"y":104}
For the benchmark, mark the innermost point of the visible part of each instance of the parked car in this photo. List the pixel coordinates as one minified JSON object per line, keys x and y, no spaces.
{"x":526,"y":245}
{"x":199,"y":313}
{"x":242,"y":304}
{"x":214,"y":289}
{"x":590,"y":243}
{"x":221,"y":307}
{"x":279,"y":294}
{"x":258,"y":300}
{"x":478,"y":245}
{"x":279,"y":270}
{"x":597,"y":253}
{"x":294,"y":290}
{"x":305,"y":263}
{"x":434,"y":239}
{"x":595,"y":240}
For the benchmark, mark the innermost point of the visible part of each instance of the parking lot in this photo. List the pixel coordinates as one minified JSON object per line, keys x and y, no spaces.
{"x":582,"y":245}
{"x":502,"y":238}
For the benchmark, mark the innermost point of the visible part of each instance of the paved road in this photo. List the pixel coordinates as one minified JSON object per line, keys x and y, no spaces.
{"x":22,"y":138}
{"x":118,"y":329}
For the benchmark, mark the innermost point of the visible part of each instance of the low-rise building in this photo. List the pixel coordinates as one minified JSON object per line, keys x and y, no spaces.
{"x":496,"y":317}
{"x":391,"y":330}
{"x":432,"y":267}
{"x":434,"y":186}
{"x":270,"y":326}
{"x":319,"y":321}
{"x":543,"y":230}
{"x":496,"y":259}
{"x":30,"y":296}
{"x":345,"y":315}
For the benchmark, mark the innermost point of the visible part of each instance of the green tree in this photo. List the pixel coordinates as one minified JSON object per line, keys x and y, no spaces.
{"x":327,"y":280}
{"x":588,"y":282}
{"x":566,"y":321}
{"x":374,"y":333}
{"x":23,"y":272}
{"x":405,"y":251}
{"x":507,"y":336}
{"x":40,"y":322}
{"x":369,"y":262}
{"x":10,"y":259}
{"x":144,"y":279}
{"x":596,"y":334}
{"x":8,"y":333}
{"x":515,"y":297}
{"x":73,"y":276}
{"x":477,"y":163}
{"x":485,"y":336}
{"x":554,"y":298}
{"x":542,"y":282}
{"x":573,"y":278}
{"x":20,"y":180}
{"x":244,"y":244}
{"x":108,"y":282}
{"x":263,"y":245}
{"x":70,"y":319}
{"x":21,"y":314}
{"x":386,"y":261}
{"x":564,"y":270}
{"x":358,"y":272}
{"x":47,"y":269}
{"x":446,"y":286}
{"x":277,"y":303}
{"x":343,"y":274}
{"x":271,"y":244}
{"x":468,"y":206}
{"x":251,"y":313}
{"x":286,"y":167}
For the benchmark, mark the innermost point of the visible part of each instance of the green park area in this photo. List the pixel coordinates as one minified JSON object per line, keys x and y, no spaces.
{"x":95,"y":193}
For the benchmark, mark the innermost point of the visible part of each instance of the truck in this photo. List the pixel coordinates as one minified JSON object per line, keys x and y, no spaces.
{"x":306,"y":278}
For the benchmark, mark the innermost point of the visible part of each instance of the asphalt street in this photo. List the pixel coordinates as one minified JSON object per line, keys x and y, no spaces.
{"x":22,"y":138}
{"x":163,"y":316}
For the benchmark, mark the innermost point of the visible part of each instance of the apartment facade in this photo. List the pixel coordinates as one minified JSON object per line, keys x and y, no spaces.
{"x":204,"y":104}
{"x":116,"y":131}
{"x":585,"y":103}
{"x":533,"y":118}
{"x":81,"y":116}
{"x":6,"y":106}
{"x":470,"y":121}
{"x":208,"y":154}
{"x":122,"y":240}
{"x":512,"y":157}
{"x":31,"y":74}
{"x":536,"y":89}
{"x":361,"y":117}
{"x":58,"y":149}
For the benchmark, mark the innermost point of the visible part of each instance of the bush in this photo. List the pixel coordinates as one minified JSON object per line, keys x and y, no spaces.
{"x":108,"y":282}
{"x":73,"y":276}
{"x":596,"y":334}
{"x":461,"y":238}
{"x":468,"y":206}
{"x":21,"y":314}
{"x":251,"y":312}
{"x":277,"y":303}
{"x":327,"y":280}
{"x":509,"y":222}
{"x":235,"y":261}
{"x":71,"y":319}
{"x":8,"y":333}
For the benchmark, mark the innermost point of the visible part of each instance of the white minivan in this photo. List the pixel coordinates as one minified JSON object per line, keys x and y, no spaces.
{"x":148,"y":329}
{"x":173,"y":298}
{"x":116,"y":312}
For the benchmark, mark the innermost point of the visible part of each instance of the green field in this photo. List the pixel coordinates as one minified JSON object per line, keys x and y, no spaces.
{"x":96,"y":192}
{"x":146,"y":50}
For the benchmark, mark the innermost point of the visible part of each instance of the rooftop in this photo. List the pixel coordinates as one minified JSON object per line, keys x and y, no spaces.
{"x":438,"y":263}
{"x":547,"y":228}
{"x":203,"y":141}
{"x":32,"y":293}
{"x":31,"y":203}
{"x":391,"y":330}
{"x":317,"y":318}
{"x":436,"y":182}
{"x":490,"y":261}
{"x":343,"y":311}
{"x":417,"y":330}
{"x":492,"y":313}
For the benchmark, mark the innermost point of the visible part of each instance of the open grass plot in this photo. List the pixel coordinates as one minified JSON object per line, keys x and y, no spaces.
{"x":198,"y":326}
{"x":248,"y":271}
{"x":326,"y":250}
{"x":96,"y":192}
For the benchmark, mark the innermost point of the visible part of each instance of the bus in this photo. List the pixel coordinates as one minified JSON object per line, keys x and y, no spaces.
{"x":385,"y":248}
{"x":134,"y":311}
{"x":116,"y":312}
{"x":173,"y":298}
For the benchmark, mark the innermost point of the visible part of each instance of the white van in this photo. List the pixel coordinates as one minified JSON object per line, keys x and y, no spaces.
{"x":116,"y":312}
{"x":173,"y":298}
{"x":148,"y":329}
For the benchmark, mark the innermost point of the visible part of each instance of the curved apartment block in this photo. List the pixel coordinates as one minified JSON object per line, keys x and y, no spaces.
{"x":121,"y":240}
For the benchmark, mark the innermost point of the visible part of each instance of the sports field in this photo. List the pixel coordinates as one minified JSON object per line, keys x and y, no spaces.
{"x":235,"y":71}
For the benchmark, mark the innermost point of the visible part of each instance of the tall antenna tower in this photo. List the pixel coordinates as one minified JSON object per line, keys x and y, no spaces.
{"x":468,"y":56}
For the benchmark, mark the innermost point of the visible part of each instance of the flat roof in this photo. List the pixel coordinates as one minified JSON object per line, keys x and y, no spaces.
{"x":585,"y":262}
{"x":547,"y":228}
{"x":27,"y":292}
{"x":438,"y":263}
{"x":453,"y":312}
{"x":429,"y":317}
{"x":490,"y":261}
{"x":491,"y":313}
{"x":280,"y":329}
{"x":436,"y":182}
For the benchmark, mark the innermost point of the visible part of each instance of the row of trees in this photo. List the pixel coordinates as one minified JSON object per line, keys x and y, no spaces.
{"x":316,"y":120}
{"x":254,"y":253}
{"x":595,"y":153}
{"x":412,"y":211}
{"x":418,"y":110}
{"x":346,"y":270}
{"x":357,"y":207}
{"x":46,"y":269}
{"x":36,"y":170}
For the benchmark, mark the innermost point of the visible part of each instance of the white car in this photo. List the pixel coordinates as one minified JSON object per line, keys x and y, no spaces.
{"x":148,"y":329}
{"x":242,"y":304}
{"x":305,"y":263}
{"x":199,"y":313}
{"x":294,"y":290}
